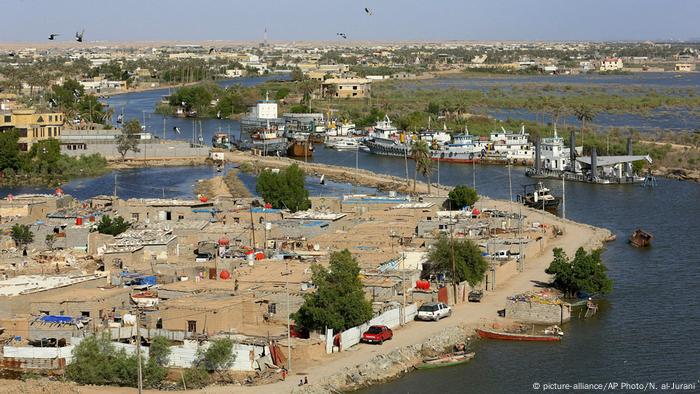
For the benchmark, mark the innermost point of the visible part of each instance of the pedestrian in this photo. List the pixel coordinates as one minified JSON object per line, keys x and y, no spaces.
{"x":284,"y":374}
{"x":306,"y":380}
{"x":301,"y":382}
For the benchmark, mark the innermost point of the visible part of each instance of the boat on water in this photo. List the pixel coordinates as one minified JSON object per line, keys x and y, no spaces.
{"x":459,"y":148}
{"x":640,"y":238}
{"x":517,"y":336}
{"x":342,"y":143}
{"x":267,"y":141}
{"x":385,"y":140}
{"x":540,"y":197}
{"x":298,"y":148}
{"x":447,"y":360}
{"x":221,"y":140}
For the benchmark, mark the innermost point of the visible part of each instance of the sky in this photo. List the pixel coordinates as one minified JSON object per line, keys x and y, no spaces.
{"x":311,"y":20}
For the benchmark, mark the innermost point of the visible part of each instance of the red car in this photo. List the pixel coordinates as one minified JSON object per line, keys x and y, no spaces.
{"x":377,"y":334}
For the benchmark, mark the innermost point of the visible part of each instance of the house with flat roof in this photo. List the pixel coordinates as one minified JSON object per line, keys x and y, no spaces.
{"x":346,"y":87}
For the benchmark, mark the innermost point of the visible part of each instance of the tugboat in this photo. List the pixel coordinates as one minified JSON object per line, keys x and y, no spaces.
{"x":540,"y":197}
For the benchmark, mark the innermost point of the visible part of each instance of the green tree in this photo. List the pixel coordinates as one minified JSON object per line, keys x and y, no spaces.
{"x":339,"y":301}
{"x":96,"y":361}
{"x":22,"y":235}
{"x":45,"y":155}
{"x":128,"y":140}
{"x":50,"y":240}
{"x":469,"y":265}
{"x":420,"y":152}
{"x":159,"y":351}
{"x":9,"y":150}
{"x":584,"y":113}
{"x":585,"y":272}
{"x":281,"y":93}
{"x":217,"y":357}
{"x":462,"y":196}
{"x":284,"y":189}
{"x":110,"y":226}
{"x":297,"y":74}
{"x":306,"y":88}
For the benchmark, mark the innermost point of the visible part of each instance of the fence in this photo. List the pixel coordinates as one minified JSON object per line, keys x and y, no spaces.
{"x":391,"y":318}
{"x":247,"y":357}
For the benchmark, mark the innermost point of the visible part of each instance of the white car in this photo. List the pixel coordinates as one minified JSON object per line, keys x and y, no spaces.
{"x":433,"y":311}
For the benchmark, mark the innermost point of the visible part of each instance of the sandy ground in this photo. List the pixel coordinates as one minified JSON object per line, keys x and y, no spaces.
{"x":575,"y":235}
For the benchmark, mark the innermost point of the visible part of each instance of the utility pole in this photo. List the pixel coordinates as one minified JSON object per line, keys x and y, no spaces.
{"x":115,"y":184}
{"x":289,"y":331}
{"x":510,"y":184}
{"x":438,"y":176}
{"x":452,"y":255}
{"x":405,"y":159}
{"x":138,"y":350}
{"x":163,"y":126}
{"x":252,"y":224}
{"x":563,"y":196}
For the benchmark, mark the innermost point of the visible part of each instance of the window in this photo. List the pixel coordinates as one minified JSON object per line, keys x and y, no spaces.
{"x":8,"y":118}
{"x":191,"y":326}
{"x":180,"y":217}
{"x":272,"y":308}
{"x":159,"y":323}
{"x":135,"y":216}
{"x":44,"y":312}
{"x":168,"y":215}
{"x":85,"y":314}
{"x":354,"y":88}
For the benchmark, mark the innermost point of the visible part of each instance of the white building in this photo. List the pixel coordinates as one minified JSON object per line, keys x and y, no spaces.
{"x":611,"y":64}
{"x":264,"y":109}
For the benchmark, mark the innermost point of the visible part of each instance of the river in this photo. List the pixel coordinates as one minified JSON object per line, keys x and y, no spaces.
{"x":645,"y":330}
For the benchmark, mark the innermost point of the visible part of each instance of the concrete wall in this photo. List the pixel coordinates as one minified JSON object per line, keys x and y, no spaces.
{"x":538,"y":313}
{"x":246,"y":356}
{"x":148,"y":150}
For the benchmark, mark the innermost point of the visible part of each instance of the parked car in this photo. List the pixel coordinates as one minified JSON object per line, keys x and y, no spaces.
{"x":475,"y":295}
{"x":433,"y":311}
{"x":377,"y":334}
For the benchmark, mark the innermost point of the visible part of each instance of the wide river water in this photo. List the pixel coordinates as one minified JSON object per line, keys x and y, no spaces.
{"x":645,"y":331}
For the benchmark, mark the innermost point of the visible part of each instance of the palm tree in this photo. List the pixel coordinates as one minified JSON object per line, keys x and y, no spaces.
{"x":584,"y":114}
{"x":425,"y":167}
{"x":419,"y":152}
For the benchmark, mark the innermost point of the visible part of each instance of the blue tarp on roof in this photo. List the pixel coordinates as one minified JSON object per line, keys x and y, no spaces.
{"x":56,"y":319}
{"x":263,"y":210}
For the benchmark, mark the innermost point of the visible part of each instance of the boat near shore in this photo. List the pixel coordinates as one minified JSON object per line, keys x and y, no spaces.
{"x":517,"y":336}
{"x":447,"y":360}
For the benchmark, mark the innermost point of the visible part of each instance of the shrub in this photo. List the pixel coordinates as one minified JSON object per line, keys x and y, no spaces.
{"x":217,"y":357}
{"x":195,"y":377}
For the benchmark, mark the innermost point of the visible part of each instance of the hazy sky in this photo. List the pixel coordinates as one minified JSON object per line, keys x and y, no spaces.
{"x":141,"y":20}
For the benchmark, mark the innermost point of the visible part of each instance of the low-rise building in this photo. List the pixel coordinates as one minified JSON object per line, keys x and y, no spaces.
{"x":611,"y":64}
{"x":684,"y":67}
{"x":347,"y":87}
{"x":32,"y":126}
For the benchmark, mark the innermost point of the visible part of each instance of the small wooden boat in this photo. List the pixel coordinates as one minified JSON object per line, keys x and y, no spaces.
{"x":516,"y":336}
{"x":447,"y":360}
{"x":640,"y":238}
